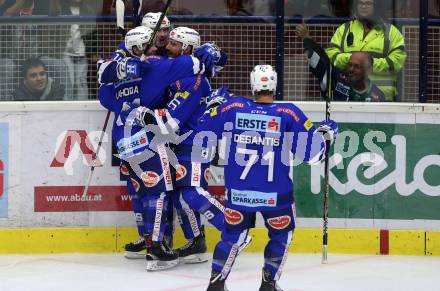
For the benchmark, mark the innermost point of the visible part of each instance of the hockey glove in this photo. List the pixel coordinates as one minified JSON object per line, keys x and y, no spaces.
{"x":329,"y":130}
{"x":209,"y":54}
{"x":122,"y":31}
{"x":135,"y":115}
{"x":135,"y":68}
{"x":218,"y":97}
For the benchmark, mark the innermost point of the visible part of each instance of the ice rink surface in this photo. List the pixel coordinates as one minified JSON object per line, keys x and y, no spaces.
{"x":302,"y":272}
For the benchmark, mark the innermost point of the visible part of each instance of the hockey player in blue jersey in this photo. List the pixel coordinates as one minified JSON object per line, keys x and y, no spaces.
{"x":187,"y":105}
{"x":161,"y":40}
{"x":136,"y":249}
{"x":261,"y":136}
{"x":147,"y":162}
{"x":135,"y":42}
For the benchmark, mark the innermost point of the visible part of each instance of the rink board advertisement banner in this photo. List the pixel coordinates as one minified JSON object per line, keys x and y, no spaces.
{"x":71,"y":198}
{"x":4,"y":173}
{"x":382,"y":171}
{"x":386,"y":169}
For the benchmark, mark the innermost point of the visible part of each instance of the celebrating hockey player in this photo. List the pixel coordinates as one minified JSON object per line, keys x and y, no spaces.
{"x":134,"y":45}
{"x":187,"y":105}
{"x":136,"y":249}
{"x":161,"y":40}
{"x":147,"y":161}
{"x":263,"y":136}
{"x":189,"y":97}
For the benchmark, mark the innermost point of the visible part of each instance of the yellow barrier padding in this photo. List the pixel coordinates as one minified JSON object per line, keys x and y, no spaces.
{"x":433,"y":243}
{"x":407,"y":242}
{"x":305,"y":240}
{"x":354,"y":241}
{"x":57,"y":240}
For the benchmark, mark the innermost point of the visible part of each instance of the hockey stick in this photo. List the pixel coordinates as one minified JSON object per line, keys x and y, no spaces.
{"x":104,"y":127}
{"x":92,"y":168}
{"x":328,"y":97}
{"x":321,"y":67}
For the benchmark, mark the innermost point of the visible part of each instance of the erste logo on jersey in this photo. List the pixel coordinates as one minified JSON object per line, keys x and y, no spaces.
{"x":279,"y":222}
{"x":253,"y":198}
{"x":233,"y":217}
{"x":150,"y":178}
{"x":129,"y":144}
{"x":256,"y":122}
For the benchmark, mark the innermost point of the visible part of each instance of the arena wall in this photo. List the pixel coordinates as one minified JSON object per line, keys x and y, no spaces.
{"x":384,"y":199}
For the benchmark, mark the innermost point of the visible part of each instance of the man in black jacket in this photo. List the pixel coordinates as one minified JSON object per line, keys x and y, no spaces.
{"x":36,"y":85}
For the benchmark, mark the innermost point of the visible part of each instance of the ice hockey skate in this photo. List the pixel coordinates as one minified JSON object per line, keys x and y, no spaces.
{"x":160,"y":257}
{"x":268,"y":284}
{"x":194,"y":251}
{"x":136,"y":249}
{"x":215,"y":283}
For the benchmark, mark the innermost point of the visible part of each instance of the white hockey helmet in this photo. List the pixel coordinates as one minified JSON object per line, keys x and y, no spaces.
{"x":263,"y":77}
{"x":187,"y":36}
{"x":137,"y":37}
{"x":150,"y":20}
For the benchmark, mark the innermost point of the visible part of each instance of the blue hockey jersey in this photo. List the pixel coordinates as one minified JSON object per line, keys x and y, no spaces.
{"x":121,"y":52}
{"x":187,"y":105}
{"x":148,"y":91}
{"x":261,"y":139}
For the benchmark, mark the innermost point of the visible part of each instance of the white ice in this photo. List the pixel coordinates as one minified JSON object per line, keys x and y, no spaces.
{"x":302,"y":272}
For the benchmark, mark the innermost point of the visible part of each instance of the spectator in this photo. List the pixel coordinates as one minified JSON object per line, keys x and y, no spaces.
{"x":16,"y":8}
{"x":75,"y":55}
{"x":353,"y":84}
{"x":36,"y":85}
{"x":359,"y":68}
{"x":369,"y":32}
{"x":5,"y":5}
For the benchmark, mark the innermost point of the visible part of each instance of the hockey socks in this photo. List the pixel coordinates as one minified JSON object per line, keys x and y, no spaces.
{"x":275,"y":253}
{"x":226,"y":251}
{"x":202,"y":201}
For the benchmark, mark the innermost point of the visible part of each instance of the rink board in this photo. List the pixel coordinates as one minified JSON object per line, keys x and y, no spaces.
{"x":306,"y":240}
{"x":46,"y":150}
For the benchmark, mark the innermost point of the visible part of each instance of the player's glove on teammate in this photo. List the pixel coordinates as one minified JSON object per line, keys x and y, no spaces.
{"x":135,"y":67}
{"x":211,"y":57}
{"x":329,"y":130}
{"x":218,"y":97}
{"x":160,"y":119}
{"x":135,"y":115}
